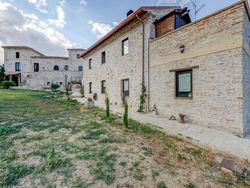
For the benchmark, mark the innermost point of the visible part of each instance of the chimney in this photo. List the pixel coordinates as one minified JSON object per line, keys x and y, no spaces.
{"x":129,"y":13}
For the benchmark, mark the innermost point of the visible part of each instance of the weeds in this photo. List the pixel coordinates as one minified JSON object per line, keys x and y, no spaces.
{"x":155,"y":174}
{"x":10,"y":173}
{"x":101,"y":143}
{"x":34,"y":138}
{"x":161,"y":185}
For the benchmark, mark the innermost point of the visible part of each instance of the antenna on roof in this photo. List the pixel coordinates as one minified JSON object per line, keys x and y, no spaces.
{"x":196,"y":11}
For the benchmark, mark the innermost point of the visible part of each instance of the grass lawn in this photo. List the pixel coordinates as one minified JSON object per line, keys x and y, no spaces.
{"x":48,"y":142}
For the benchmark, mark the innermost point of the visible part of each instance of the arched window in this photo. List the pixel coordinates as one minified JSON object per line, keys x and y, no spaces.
{"x":56,"y":68}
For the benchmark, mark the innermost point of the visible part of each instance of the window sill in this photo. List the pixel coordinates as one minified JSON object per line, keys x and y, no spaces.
{"x":184,"y":98}
{"x":125,"y":55}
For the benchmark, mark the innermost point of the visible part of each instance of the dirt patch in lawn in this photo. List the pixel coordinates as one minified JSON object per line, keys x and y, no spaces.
{"x":60,"y":143}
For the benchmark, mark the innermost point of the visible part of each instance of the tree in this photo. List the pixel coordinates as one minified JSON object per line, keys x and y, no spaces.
{"x":142,"y":98}
{"x":107,"y":104}
{"x":125,"y":115}
{"x":2,"y":73}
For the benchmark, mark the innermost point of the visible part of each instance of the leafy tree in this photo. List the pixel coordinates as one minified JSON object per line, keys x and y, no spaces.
{"x":2,"y":75}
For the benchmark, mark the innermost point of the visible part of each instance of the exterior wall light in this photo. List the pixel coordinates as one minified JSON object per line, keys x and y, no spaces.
{"x":182,"y":48}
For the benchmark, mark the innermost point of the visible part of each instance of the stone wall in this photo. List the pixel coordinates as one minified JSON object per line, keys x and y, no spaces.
{"x":74,"y":63}
{"x":24,"y":59}
{"x":214,"y":44}
{"x":118,"y":67}
{"x":46,"y":74}
{"x":246,"y":73}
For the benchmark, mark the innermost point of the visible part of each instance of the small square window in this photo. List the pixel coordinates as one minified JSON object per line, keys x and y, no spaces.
{"x":90,"y":63}
{"x":80,"y":68}
{"x":17,"y":66}
{"x":17,"y":55}
{"x":103,"y":57}
{"x":125,"y":87}
{"x":125,"y":48}
{"x":184,"y":84}
{"x":78,"y":56}
{"x":90,"y":87}
{"x":103,"y":86}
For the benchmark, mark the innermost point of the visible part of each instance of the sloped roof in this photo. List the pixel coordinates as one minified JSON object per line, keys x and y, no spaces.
{"x":49,"y":57}
{"x":77,"y":49}
{"x":125,"y":22}
{"x":24,"y":47}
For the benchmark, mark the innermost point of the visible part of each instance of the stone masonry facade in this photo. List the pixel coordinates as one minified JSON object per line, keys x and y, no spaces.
{"x":220,"y":65}
{"x":46,"y":74}
{"x":214,"y":50}
{"x":118,"y":67}
{"x":246,"y":73}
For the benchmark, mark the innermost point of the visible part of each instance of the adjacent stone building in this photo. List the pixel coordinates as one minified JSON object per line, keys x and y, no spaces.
{"x":199,"y":69}
{"x":31,"y":69}
{"x":115,"y":62}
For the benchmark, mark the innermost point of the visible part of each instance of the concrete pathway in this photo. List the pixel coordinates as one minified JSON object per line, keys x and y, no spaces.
{"x":216,"y":139}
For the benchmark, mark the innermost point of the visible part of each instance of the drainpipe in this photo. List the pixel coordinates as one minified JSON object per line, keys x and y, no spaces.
{"x":142,"y":22}
{"x":149,"y":73}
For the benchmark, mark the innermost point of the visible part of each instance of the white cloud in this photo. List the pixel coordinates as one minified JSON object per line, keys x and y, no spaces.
{"x":4,"y":5}
{"x":115,"y":23}
{"x":18,"y":28}
{"x":62,"y":3}
{"x":173,"y":2}
{"x":83,"y":2}
{"x":100,"y":29}
{"x":59,"y":22}
{"x":38,"y":4}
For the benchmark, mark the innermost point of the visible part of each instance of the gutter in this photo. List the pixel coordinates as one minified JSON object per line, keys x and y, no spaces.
{"x":143,"y":36}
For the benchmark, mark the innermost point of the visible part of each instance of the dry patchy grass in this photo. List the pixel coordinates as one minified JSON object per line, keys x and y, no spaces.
{"x":47,"y":142}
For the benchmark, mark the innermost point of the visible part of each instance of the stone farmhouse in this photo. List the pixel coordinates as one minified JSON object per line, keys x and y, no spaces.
{"x":31,"y":69}
{"x":200,"y":69}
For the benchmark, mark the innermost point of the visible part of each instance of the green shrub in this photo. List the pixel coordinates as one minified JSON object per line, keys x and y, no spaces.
{"x":54,"y":87}
{"x":142,"y":98}
{"x":107,"y":105}
{"x":2,"y":75}
{"x":125,"y":115}
{"x":67,"y":89}
{"x":7,"y":84}
{"x":90,"y":99}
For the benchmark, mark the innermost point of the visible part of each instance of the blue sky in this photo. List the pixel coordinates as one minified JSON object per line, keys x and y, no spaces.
{"x":52,"y":26}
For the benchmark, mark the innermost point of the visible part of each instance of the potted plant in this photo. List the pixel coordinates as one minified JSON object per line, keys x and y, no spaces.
{"x":90,"y":103}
